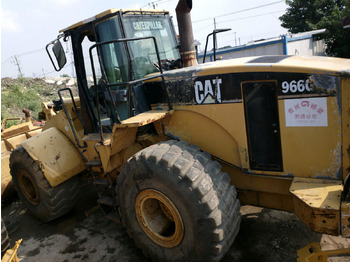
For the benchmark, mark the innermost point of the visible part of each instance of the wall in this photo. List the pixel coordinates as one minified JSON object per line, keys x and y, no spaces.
{"x":306,"y":47}
{"x":303,"y":45}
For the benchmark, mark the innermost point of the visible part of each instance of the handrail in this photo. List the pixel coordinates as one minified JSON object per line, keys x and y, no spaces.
{"x":68,"y":117}
{"x":215,"y":31}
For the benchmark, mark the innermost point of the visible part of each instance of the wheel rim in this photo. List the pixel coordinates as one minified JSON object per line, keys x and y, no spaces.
{"x":159,"y":218}
{"x":28,"y":187}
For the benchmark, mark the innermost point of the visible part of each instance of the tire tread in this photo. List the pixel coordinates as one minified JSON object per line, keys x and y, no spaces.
{"x":194,"y":170}
{"x":54,"y":201}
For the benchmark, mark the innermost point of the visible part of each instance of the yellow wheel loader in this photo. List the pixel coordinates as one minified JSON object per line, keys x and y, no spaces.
{"x":169,"y":143}
{"x":11,"y":138}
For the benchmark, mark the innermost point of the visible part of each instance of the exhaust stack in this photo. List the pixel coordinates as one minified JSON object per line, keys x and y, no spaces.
{"x":187,"y":48}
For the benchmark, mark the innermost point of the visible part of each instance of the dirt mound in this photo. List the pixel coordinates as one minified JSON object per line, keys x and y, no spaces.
{"x":19,"y":93}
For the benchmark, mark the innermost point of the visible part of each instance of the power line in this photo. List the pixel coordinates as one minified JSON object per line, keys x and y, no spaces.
{"x":156,"y":3}
{"x":30,"y":52}
{"x":236,"y":19}
{"x":247,"y":17}
{"x":205,"y":27}
{"x":163,"y":2}
{"x":239,"y":11}
{"x":22,"y":54}
{"x":7,"y":60}
{"x":54,"y":71}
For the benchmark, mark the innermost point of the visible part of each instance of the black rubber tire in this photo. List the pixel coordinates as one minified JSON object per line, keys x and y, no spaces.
{"x":53,"y":202}
{"x":5,"y":241}
{"x":199,"y":189}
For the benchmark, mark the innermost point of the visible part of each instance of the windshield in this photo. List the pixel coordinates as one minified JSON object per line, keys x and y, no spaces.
{"x":122,"y":62}
{"x":157,"y":26}
{"x":143,"y":54}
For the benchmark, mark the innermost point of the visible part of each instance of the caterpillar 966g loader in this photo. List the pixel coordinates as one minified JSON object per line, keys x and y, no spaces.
{"x":167,"y":141}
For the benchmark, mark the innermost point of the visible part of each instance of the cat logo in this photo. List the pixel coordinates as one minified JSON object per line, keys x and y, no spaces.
{"x":208,"y":91}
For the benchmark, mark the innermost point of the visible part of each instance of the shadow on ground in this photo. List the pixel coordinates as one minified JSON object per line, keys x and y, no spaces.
{"x":85,"y":234}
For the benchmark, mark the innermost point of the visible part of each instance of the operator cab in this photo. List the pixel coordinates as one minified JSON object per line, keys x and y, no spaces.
{"x":113,"y":52}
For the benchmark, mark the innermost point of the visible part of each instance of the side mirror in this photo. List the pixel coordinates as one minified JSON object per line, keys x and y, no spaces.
{"x":58,"y":52}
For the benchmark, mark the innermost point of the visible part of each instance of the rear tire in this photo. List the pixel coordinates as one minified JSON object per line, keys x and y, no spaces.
{"x":44,"y":201}
{"x":177,"y":204}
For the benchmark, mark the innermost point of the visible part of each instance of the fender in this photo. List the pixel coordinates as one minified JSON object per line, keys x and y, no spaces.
{"x":58,"y":158}
{"x":203,"y":131}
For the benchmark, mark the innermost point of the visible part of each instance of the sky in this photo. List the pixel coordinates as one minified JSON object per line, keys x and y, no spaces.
{"x":27,"y":26}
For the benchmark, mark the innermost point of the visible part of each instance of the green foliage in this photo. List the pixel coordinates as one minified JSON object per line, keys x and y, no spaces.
{"x":307,"y":15}
{"x":65,"y":75}
{"x":22,"y":93}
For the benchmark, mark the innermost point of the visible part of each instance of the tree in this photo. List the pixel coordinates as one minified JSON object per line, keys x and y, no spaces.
{"x":307,"y":15}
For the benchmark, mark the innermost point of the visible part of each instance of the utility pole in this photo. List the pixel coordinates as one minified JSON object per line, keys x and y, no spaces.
{"x":19,"y":66}
{"x":235,"y":39}
{"x":154,"y":4}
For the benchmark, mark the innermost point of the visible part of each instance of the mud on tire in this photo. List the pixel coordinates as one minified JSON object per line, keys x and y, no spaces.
{"x":45,"y":202}
{"x":181,"y":186}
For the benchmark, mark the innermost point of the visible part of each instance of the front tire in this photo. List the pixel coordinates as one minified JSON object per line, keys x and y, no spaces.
{"x":177,"y":204}
{"x":44,"y":201}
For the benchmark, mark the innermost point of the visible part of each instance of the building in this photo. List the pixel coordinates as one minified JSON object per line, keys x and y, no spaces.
{"x":306,"y":44}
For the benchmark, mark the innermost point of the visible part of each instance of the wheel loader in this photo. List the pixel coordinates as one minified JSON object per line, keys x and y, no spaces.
{"x":11,"y":138}
{"x":174,"y":148}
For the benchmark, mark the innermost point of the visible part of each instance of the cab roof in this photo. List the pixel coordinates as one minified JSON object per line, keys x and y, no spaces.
{"x":112,"y":11}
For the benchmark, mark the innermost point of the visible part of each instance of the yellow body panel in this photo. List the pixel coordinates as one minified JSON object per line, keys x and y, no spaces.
{"x":261,"y":190}
{"x":61,"y":122}
{"x":223,"y":139}
{"x":58,"y":157}
{"x":5,"y":171}
{"x":220,"y":130}
{"x":319,"y":148}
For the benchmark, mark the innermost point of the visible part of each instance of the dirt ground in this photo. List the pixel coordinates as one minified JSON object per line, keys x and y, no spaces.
{"x":85,"y":234}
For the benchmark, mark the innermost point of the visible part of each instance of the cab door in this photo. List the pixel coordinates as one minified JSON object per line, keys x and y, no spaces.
{"x":262,"y":125}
